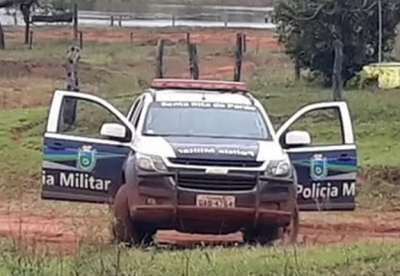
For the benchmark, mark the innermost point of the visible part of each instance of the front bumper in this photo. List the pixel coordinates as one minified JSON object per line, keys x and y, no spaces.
{"x":167,"y":201}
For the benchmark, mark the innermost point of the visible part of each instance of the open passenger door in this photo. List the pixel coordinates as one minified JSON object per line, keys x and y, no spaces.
{"x":83,"y":158}
{"x":326,"y":171}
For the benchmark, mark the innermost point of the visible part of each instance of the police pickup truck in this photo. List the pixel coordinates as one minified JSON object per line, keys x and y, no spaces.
{"x":196,"y":156}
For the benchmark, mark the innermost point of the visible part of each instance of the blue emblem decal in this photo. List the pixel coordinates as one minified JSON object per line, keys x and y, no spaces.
{"x":318,"y":168}
{"x":86,"y":158}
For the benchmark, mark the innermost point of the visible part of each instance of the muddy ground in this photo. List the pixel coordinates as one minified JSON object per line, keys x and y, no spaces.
{"x":65,"y":231}
{"x":58,"y":227}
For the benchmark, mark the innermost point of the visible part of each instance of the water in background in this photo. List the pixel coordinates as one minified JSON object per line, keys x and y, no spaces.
{"x":170,"y":15}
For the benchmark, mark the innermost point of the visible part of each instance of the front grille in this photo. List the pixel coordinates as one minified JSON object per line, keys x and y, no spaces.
{"x":217,"y":182}
{"x":216,"y":162}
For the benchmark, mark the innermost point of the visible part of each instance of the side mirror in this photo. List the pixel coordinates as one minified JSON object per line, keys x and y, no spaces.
{"x":114,"y":130}
{"x":297,"y":138}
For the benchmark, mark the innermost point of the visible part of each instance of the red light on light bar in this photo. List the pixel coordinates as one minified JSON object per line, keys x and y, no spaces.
{"x":199,"y":84}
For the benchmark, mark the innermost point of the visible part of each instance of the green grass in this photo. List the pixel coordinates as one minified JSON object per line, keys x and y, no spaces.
{"x":362,"y":259}
{"x":118,"y":72}
{"x":124,"y":69}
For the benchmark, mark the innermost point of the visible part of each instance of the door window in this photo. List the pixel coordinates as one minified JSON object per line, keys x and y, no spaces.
{"x":324,"y":126}
{"x":326,"y":168}
{"x":78,"y":163}
{"x":88,"y":115}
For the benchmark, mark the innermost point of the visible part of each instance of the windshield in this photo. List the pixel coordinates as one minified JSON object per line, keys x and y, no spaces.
{"x":199,"y":119}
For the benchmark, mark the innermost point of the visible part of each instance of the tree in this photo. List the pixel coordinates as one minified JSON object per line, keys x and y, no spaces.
{"x":316,"y":32}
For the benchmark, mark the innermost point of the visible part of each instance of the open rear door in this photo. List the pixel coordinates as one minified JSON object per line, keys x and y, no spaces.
{"x":327,"y":166}
{"x":83,"y":158}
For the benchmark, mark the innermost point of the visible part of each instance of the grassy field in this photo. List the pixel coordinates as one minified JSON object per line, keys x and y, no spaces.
{"x":118,"y":71}
{"x":361,"y":259}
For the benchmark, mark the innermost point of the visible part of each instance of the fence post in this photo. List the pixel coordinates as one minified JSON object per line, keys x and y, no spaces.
{"x":225,"y":19}
{"x":15,"y":19}
{"x":190,"y":56}
{"x":75,"y":22}
{"x":159,"y":58}
{"x":25,"y":9}
{"x":196,"y":72}
{"x":258,"y":45}
{"x":30,"y":40}
{"x":131,"y":37}
{"x":73,"y":57}
{"x":81,"y":39}
{"x":244,"y":43}
{"x":120,"y":21}
{"x":238,"y":57}
{"x":112,"y":20}
{"x":193,"y":61}
{"x":337,"y":81}
{"x":173,"y":20}
{"x":72,"y":84}
{"x":296,"y":70}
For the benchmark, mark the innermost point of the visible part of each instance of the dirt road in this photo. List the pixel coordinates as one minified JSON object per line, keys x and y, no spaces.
{"x":145,"y":36}
{"x":62,"y":229}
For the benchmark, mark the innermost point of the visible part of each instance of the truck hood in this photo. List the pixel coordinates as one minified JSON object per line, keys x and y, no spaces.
{"x":210,"y":148}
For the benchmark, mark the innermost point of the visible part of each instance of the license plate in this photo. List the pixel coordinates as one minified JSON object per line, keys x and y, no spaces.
{"x":217,"y":171}
{"x":215,"y":201}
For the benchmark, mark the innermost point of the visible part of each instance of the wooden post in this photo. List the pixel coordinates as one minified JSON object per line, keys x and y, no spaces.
{"x":72,"y":84}
{"x":337,"y":82}
{"x":173,"y":20}
{"x":15,"y":19}
{"x":238,"y":57}
{"x":73,"y":57}
{"x":75,"y":22}
{"x":81,"y":39}
{"x":2,"y":40}
{"x":159,"y":58}
{"x":187,"y":38}
{"x":296,"y":70}
{"x":258,"y":45}
{"x":112,"y":21}
{"x":193,"y":60}
{"x":26,"y":14}
{"x":131,"y":37}
{"x":190,"y":55}
{"x":244,"y":43}
{"x":225,"y":15}
{"x":120,"y":21}
{"x":379,"y":31}
{"x":30,"y":40}
{"x":196,"y":72}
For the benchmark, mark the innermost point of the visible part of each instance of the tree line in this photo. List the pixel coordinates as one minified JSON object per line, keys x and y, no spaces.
{"x":334,"y":39}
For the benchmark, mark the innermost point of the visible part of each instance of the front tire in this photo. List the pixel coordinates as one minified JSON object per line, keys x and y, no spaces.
{"x":124,"y":229}
{"x":289,"y":234}
{"x":272,"y":234}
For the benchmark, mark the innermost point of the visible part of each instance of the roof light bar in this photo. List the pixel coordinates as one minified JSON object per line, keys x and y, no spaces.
{"x":199,"y":84}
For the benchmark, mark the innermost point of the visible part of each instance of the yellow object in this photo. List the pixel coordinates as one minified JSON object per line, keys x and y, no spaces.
{"x":388,"y":74}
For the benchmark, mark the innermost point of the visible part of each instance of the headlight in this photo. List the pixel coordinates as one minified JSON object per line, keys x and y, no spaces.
{"x":279,"y":168}
{"x":148,"y":162}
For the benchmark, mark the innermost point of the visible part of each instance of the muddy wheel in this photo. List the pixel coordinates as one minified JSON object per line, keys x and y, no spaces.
{"x":263,"y":235}
{"x":124,"y":230}
{"x":272,"y":235}
{"x":289,"y":234}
